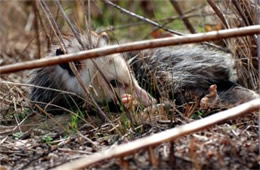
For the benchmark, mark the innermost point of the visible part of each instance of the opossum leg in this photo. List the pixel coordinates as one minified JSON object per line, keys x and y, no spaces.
{"x":211,"y":100}
{"x":226,"y":94}
{"x":129,"y":102}
{"x":237,"y":95}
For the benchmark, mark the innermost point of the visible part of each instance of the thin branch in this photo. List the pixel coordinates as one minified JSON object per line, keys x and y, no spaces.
{"x":187,"y":14}
{"x":73,"y":29}
{"x":185,"y":20}
{"x":156,"y":24}
{"x":242,"y":13}
{"x":218,"y":12}
{"x":36,"y":26}
{"x":139,"y":45}
{"x":53,"y":24}
{"x":141,"y":18}
{"x":165,"y":20}
{"x":165,"y":136}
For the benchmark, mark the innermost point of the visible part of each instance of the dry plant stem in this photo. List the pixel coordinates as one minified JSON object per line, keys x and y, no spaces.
{"x":187,"y":14}
{"x":36,"y":26}
{"x":71,"y":65}
{"x":257,"y":18}
{"x":74,"y":69}
{"x":171,"y":155}
{"x":152,"y":156}
{"x":155,"y":24}
{"x":243,"y":14}
{"x":165,"y":136}
{"x":52,"y":118}
{"x":40,"y":87}
{"x":141,"y":18}
{"x":123,"y":164}
{"x":73,"y":29}
{"x":139,"y":45}
{"x":53,"y":24}
{"x":100,"y":111}
{"x":218,"y":12}
{"x":117,"y":97}
{"x":35,"y":158}
{"x":185,"y":20}
{"x":166,"y":20}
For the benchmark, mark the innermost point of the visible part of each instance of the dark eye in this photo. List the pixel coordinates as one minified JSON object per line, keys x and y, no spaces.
{"x":59,"y":52}
{"x":115,"y":83}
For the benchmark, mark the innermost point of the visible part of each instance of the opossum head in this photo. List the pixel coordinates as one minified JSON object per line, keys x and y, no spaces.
{"x":105,"y":77}
{"x":117,"y":78}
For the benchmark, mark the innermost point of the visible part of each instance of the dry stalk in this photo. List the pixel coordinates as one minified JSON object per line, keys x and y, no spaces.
{"x":165,"y":136}
{"x":152,"y":156}
{"x":218,"y":12}
{"x":36,"y":26}
{"x":72,"y":66}
{"x":139,"y":45}
{"x":185,"y":20}
{"x":154,"y":23}
{"x":141,"y":18}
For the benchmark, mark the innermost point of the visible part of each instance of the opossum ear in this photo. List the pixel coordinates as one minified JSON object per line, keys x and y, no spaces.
{"x":131,"y":60}
{"x":105,"y":37}
{"x":59,"y":52}
{"x":66,"y":66}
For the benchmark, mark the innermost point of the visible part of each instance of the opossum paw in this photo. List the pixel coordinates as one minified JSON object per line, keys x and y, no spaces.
{"x":129,"y":102}
{"x":211,"y":100}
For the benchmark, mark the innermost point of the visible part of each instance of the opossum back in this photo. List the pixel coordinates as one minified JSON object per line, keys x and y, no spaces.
{"x":175,"y":70}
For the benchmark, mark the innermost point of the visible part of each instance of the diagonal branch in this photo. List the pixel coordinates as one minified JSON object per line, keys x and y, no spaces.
{"x":165,"y":136}
{"x":156,"y":24}
{"x":139,"y":45}
{"x":185,"y":20}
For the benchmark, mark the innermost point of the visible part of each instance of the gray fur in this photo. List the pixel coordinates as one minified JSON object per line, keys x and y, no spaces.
{"x":183,"y":72}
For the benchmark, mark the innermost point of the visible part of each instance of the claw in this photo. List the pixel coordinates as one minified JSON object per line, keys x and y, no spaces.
{"x":128,"y":101}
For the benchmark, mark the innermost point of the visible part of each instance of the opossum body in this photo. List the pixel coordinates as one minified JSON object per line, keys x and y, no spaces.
{"x":186,"y":72}
{"x":114,"y":68}
{"x":181,"y":73}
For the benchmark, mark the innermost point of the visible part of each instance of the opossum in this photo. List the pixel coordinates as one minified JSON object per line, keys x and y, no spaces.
{"x":186,"y":72}
{"x":181,"y":73}
{"x":114,"y":69}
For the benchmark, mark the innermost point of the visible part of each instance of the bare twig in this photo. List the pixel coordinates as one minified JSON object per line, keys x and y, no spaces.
{"x":152,"y":156}
{"x":243,"y":13}
{"x":75,"y":71}
{"x":165,"y":20}
{"x":73,"y":29}
{"x":36,"y":26}
{"x":35,"y":158}
{"x":185,"y":20}
{"x":139,"y":45}
{"x":52,"y":118}
{"x":142,"y":18}
{"x":218,"y":12}
{"x":156,"y":24}
{"x":53,"y":24}
{"x":257,"y":21}
{"x":165,"y":136}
